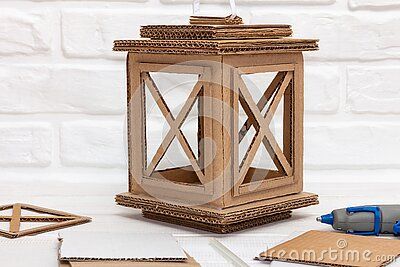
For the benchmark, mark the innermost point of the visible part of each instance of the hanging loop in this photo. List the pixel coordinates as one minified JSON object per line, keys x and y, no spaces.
{"x":196,"y":7}
{"x":233,"y":8}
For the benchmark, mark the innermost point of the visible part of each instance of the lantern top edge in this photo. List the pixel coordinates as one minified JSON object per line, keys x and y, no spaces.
{"x":216,"y":36}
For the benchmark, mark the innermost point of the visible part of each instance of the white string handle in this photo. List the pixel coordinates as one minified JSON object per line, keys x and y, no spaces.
{"x":233,"y":8}
{"x":196,"y":7}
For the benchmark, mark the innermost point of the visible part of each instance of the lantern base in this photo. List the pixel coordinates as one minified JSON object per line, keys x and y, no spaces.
{"x":218,"y":228}
{"x":222,"y":221}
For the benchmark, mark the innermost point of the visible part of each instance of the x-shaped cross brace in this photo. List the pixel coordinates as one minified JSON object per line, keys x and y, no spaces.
{"x":261,"y":124}
{"x":174,"y":124}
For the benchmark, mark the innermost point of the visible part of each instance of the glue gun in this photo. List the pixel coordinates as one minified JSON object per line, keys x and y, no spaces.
{"x":365,"y":220}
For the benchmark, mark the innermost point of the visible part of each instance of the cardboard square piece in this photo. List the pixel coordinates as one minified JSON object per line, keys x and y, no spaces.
{"x":335,"y":249}
{"x":56,"y":219}
{"x":103,"y":246}
{"x":92,"y":249}
{"x":189,"y":263}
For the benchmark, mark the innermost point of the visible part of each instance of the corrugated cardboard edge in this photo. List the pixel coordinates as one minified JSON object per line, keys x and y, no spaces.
{"x":207,"y":32}
{"x":189,"y":262}
{"x":75,"y":259}
{"x":228,"y":20}
{"x":208,"y":215}
{"x":218,"y":228}
{"x":216,"y":47}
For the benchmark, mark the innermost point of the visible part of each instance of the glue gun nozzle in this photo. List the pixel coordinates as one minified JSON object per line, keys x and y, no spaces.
{"x":328,"y":219}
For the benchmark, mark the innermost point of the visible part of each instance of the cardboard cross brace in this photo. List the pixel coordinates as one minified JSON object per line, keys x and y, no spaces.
{"x":220,"y":191}
{"x":55,"y":219}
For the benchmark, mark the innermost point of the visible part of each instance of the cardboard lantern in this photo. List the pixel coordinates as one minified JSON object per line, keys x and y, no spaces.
{"x":220,"y":190}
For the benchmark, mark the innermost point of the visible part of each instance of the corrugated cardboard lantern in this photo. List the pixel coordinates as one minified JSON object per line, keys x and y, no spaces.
{"x":241,"y":174}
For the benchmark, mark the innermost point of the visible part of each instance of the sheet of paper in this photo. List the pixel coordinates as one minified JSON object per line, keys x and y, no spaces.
{"x":119,"y":246}
{"x":29,"y":251}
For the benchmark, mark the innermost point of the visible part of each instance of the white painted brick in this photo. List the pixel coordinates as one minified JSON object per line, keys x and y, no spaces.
{"x":61,"y":88}
{"x":92,"y":144}
{"x":91,"y":32}
{"x":24,"y":32}
{"x":318,"y":26}
{"x":364,"y":4}
{"x":369,"y":37}
{"x":322,"y":89}
{"x":25,"y":145}
{"x":352,"y":146}
{"x":373,"y":90}
{"x":343,"y":37}
{"x":300,"y":2}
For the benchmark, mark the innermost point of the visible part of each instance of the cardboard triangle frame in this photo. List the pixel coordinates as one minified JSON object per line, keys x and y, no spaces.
{"x":58,"y":220}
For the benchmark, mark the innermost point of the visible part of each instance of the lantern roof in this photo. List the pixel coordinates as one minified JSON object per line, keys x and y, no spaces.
{"x":216,"y":36}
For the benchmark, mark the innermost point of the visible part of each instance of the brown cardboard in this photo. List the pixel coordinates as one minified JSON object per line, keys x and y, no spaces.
{"x":218,"y":228}
{"x":335,"y":249}
{"x":228,"y":20}
{"x":216,"y":47}
{"x":211,"y":32}
{"x":190,"y":262}
{"x":219,"y":221}
{"x":222,"y":195}
{"x":106,"y":246}
{"x":56,"y":219}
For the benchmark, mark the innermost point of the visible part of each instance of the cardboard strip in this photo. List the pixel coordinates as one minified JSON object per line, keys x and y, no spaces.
{"x":15,"y":219}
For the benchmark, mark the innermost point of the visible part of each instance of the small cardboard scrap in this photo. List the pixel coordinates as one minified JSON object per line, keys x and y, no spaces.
{"x":100,"y":246}
{"x":190,"y":262}
{"x":56,"y":220}
{"x":229,"y":20}
{"x":335,"y":249}
{"x":213,"y":32}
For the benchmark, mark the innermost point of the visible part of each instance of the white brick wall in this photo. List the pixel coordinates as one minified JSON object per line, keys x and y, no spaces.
{"x":62,"y":90}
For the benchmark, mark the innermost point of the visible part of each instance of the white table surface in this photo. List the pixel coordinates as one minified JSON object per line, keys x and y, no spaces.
{"x":97,"y":201}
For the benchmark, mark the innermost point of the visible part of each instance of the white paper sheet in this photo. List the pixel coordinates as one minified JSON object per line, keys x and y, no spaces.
{"x":29,"y":251}
{"x":119,"y":246}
